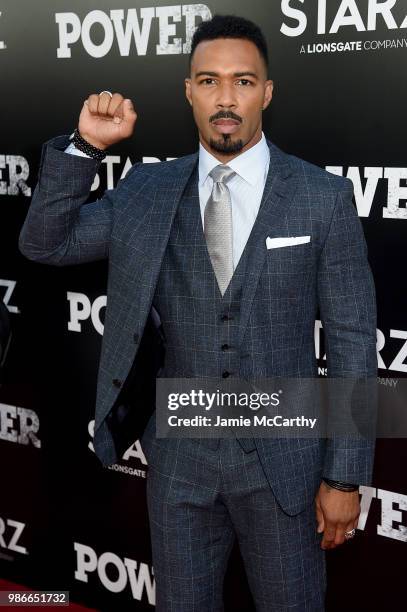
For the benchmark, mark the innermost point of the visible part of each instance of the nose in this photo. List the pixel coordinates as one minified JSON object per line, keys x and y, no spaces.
{"x":226,"y":96}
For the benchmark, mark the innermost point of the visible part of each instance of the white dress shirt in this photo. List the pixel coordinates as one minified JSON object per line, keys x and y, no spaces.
{"x":246,"y":187}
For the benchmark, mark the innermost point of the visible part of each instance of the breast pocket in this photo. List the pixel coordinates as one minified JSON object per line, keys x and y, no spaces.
{"x":290,"y":259}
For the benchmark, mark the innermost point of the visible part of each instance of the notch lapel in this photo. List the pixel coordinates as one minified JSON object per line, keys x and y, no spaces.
{"x":167,"y":196}
{"x":153,"y":234}
{"x":277,"y":196}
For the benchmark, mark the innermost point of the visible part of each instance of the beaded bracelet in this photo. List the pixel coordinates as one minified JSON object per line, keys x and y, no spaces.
{"x":85,"y":146}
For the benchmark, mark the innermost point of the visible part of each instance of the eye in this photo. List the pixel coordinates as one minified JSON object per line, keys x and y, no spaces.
{"x":244,"y":82}
{"x":207,"y":81}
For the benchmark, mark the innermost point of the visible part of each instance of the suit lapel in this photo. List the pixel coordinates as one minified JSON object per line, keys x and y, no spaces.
{"x":270,"y":221}
{"x":167,"y":196}
{"x":277,"y":196}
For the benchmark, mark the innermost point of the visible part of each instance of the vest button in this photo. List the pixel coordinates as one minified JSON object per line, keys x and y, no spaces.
{"x":225,"y":374}
{"x":226,"y":317}
{"x":117,"y":382}
{"x":225,"y":347}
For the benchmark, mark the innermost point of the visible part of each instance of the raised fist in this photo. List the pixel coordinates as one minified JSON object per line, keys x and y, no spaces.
{"x":106,"y":119}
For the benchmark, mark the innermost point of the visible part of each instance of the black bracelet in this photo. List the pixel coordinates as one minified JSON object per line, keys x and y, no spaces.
{"x":341,"y":486}
{"x":85,"y":146}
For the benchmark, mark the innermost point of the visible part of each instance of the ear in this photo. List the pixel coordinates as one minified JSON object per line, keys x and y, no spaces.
{"x":268,"y":93}
{"x":188,"y":90}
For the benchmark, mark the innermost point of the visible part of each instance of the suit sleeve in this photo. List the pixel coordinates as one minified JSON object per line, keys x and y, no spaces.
{"x":347,"y":303}
{"x":61,"y":228}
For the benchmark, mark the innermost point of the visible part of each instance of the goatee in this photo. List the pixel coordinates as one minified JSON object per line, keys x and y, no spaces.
{"x":226,"y":145}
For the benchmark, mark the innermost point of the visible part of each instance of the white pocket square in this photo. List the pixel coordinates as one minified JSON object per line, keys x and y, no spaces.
{"x":274,"y":243}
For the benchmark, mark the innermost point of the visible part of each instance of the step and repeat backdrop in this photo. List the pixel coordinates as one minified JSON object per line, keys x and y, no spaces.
{"x":340,"y":98}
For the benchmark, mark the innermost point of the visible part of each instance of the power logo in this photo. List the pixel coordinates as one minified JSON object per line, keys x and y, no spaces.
{"x":18,"y":172}
{"x":393,"y":507}
{"x":81,"y":309}
{"x":364,"y":197}
{"x":135,"y":26}
{"x":19,"y":425}
{"x":139,"y":575}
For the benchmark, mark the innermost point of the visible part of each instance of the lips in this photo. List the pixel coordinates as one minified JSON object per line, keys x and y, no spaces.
{"x":226,"y":122}
{"x":226,"y":126}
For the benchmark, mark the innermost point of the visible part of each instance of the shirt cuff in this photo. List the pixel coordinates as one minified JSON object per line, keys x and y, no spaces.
{"x":72,"y":150}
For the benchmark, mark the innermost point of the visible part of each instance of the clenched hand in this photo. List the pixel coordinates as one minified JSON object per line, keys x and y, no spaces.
{"x":106,"y":120}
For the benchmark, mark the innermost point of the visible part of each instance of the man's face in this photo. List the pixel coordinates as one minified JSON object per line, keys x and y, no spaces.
{"x":228,"y":91}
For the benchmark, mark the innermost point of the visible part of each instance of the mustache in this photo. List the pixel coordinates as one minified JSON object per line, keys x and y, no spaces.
{"x":225,"y":115}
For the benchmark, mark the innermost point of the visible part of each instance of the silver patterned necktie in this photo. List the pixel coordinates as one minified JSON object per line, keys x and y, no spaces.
{"x":218,"y":226}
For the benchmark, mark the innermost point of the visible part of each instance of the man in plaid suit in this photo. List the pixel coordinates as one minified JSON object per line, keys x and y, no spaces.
{"x":235,"y":247}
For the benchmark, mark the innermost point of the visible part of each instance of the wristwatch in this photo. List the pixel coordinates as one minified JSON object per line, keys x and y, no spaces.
{"x":85,"y":146}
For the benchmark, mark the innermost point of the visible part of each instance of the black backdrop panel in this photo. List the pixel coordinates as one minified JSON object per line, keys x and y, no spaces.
{"x":339,"y":101}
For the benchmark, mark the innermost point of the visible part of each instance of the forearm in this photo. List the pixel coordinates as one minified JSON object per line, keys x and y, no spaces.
{"x":51,"y":232}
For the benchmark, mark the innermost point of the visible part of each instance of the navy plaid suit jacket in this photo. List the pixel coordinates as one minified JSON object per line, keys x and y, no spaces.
{"x":130,"y":226}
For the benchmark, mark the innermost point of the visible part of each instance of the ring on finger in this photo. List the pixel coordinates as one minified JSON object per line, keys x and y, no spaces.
{"x":106,"y":91}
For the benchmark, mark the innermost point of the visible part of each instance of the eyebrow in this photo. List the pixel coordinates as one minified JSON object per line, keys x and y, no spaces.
{"x":235,"y":74}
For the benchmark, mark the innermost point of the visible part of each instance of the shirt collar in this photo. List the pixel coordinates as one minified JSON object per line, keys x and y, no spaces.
{"x":249,"y":165}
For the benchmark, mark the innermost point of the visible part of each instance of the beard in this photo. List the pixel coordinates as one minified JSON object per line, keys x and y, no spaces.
{"x":226,"y":145}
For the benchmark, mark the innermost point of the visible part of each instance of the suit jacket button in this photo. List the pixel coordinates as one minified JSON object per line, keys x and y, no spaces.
{"x":117,"y":382}
{"x":136,"y":336}
{"x":225,"y":374}
{"x":225,"y":347}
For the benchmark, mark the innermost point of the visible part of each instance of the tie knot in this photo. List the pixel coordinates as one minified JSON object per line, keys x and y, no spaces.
{"x":221,"y":173}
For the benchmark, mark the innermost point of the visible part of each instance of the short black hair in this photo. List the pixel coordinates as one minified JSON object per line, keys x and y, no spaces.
{"x":230,"y":26}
